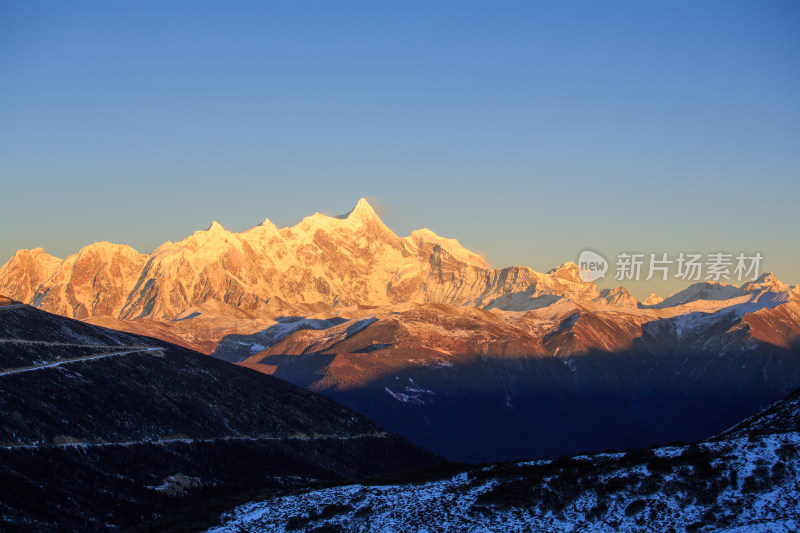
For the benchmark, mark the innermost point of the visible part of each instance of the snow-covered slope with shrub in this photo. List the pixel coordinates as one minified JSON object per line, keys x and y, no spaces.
{"x":738,"y":482}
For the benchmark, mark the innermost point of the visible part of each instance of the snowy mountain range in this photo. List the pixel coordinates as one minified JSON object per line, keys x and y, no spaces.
{"x":321,"y":263}
{"x":418,"y":333}
{"x":242,"y":282}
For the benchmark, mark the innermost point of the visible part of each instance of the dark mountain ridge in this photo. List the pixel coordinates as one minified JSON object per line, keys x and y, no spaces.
{"x":101,"y":429}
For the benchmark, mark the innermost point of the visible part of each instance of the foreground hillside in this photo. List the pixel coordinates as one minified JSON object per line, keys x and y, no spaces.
{"x":100,"y":429}
{"x":744,"y":480}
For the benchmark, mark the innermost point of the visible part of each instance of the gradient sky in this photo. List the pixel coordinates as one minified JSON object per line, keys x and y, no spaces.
{"x":527,"y":130}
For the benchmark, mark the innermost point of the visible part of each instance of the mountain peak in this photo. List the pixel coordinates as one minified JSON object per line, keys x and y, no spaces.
{"x":215,"y":227}
{"x":766,"y":277}
{"x":568,"y":271}
{"x":618,"y":296}
{"x":702,"y":290}
{"x":362,"y":211}
{"x":360,"y":217}
{"x":37,"y":255}
{"x":653,"y":299}
{"x":109,"y":249}
{"x":766,"y":281}
{"x":37,"y":252}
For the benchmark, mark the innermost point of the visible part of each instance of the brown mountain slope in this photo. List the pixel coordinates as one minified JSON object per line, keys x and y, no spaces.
{"x":478,"y":385}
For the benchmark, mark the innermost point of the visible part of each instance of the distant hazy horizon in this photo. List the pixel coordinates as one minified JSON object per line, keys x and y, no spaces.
{"x":527,"y":131}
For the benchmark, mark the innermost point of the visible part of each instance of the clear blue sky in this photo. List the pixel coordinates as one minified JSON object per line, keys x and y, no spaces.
{"x":527,"y":130}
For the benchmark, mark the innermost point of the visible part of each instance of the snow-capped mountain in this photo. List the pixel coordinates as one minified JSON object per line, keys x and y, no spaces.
{"x":619,"y":297}
{"x":321,"y":263}
{"x":653,"y":299}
